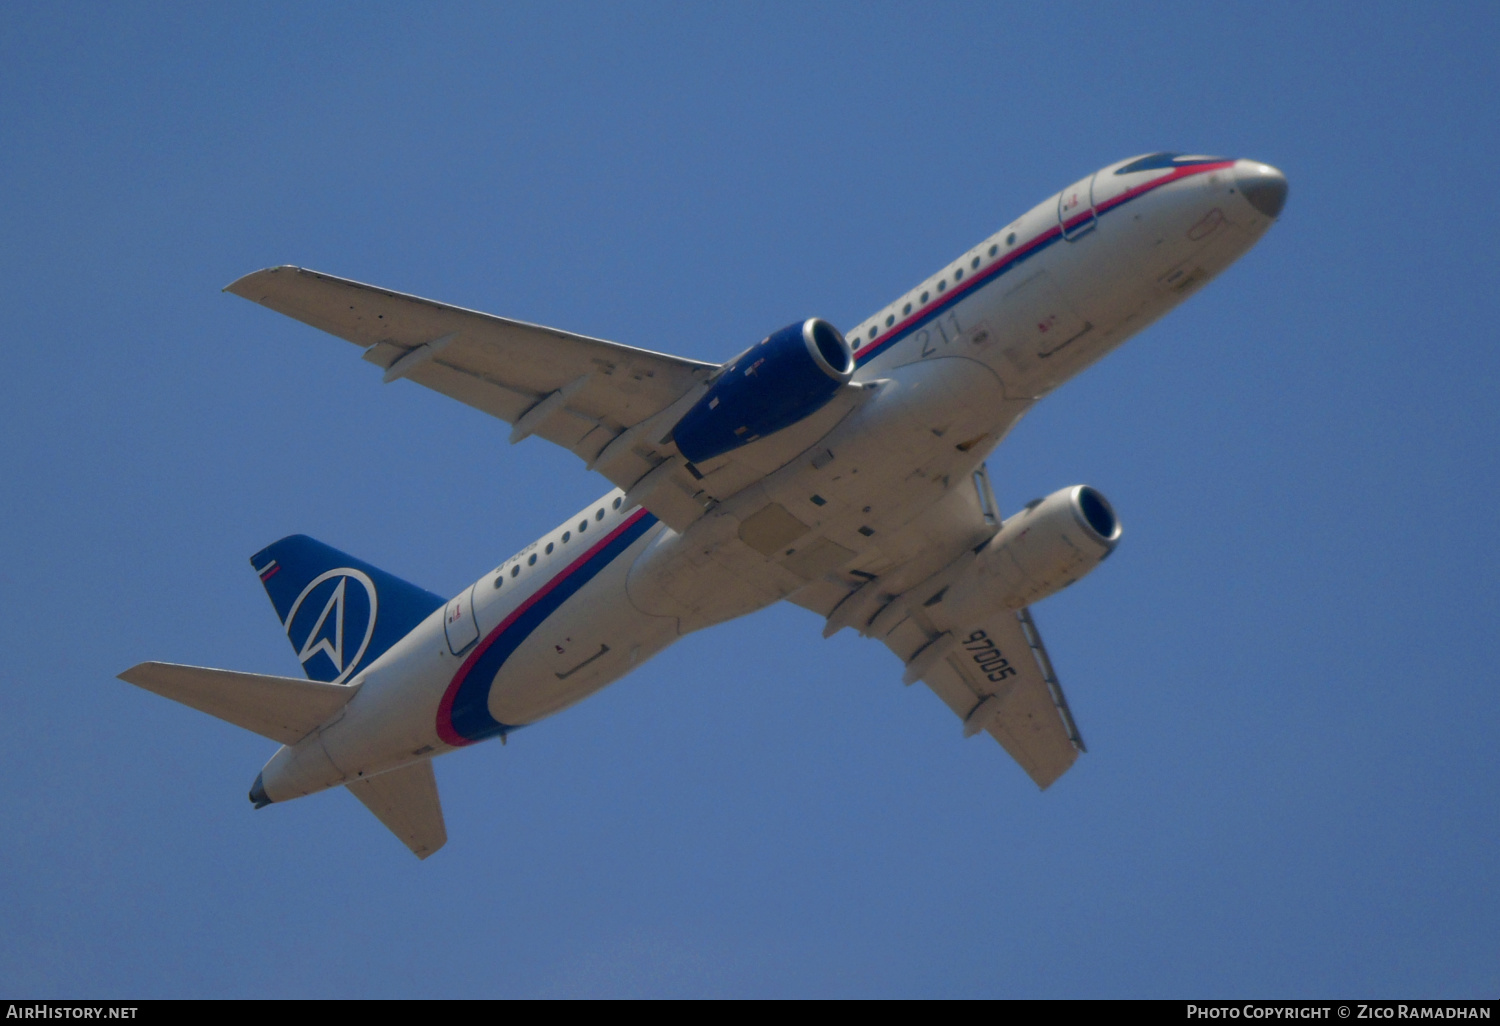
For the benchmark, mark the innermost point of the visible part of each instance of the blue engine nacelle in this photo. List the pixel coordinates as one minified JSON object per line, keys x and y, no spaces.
{"x":787,"y":376}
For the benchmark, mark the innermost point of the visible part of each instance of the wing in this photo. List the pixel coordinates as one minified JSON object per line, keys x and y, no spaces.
{"x":995,"y":675}
{"x":608,"y":403}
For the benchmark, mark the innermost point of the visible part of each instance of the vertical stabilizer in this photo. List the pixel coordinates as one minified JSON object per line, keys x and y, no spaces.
{"x":339,"y":613}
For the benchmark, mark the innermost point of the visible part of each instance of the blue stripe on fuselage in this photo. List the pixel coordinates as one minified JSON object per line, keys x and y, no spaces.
{"x":469,"y":715}
{"x":986,"y":275}
{"x":939,"y":307}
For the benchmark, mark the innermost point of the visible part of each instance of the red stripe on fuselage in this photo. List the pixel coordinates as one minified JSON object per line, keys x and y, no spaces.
{"x":1156,"y":183}
{"x":445,"y":707}
{"x":983,"y":277}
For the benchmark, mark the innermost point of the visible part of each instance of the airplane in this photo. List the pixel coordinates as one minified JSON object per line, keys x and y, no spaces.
{"x":841,"y":471}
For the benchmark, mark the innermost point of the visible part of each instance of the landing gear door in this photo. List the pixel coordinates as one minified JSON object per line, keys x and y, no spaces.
{"x":459,"y":623}
{"x":1075,"y":209}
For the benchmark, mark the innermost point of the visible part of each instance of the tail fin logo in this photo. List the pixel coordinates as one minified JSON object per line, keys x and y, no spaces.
{"x":333,"y":618}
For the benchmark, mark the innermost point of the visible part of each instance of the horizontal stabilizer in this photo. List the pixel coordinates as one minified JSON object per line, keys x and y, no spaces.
{"x":406,"y":801}
{"x":284,"y":709}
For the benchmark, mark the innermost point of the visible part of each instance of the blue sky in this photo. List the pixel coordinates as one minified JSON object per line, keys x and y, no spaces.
{"x":1285,"y":675}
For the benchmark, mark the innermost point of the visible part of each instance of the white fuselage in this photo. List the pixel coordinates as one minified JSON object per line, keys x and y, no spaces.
{"x":948,"y":368}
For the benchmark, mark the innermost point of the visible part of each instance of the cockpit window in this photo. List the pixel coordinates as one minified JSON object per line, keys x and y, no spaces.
{"x":1160,"y":161}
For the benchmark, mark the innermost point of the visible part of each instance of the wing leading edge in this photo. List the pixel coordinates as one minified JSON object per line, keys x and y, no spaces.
{"x":610,"y":404}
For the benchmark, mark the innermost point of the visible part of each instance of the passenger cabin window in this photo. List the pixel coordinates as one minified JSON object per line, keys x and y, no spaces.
{"x":499,"y":580}
{"x":958,"y":275}
{"x":599,"y":514}
{"x":994,"y":250}
{"x":549,"y":548}
{"x":924,"y":297}
{"x":583,"y":525}
{"x":1010,"y":240}
{"x":616,"y":503}
{"x":872,"y":331}
{"x":566,"y":536}
{"x":942,"y":284}
{"x":975,"y":262}
{"x":906,"y":309}
{"x":890,"y":319}
{"x":531,"y":559}
{"x":515,"y":571}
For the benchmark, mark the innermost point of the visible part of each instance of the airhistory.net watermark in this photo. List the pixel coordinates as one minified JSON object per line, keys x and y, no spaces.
{"x":46,"y":1010}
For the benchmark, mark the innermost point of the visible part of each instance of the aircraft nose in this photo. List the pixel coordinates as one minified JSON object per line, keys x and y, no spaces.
{"x":1262,"y":185}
